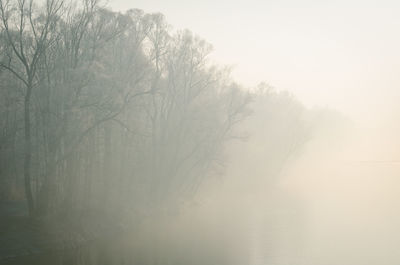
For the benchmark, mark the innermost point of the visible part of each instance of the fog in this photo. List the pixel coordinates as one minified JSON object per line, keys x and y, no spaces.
{"x":257,"y":132}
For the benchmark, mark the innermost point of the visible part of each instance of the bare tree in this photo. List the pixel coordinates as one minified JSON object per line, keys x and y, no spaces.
{"x":29,"y":33}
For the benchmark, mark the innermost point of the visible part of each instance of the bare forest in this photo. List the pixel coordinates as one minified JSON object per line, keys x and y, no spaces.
{"x":123,"y":141}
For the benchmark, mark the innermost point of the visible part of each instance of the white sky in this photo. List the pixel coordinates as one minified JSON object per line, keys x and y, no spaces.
{"x":341,"y":54}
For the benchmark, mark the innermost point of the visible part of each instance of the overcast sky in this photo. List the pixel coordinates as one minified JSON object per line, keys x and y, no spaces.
{"x":342,"y":54}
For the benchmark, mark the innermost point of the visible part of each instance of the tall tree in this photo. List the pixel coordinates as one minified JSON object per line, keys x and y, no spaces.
{"x":29,"y":31}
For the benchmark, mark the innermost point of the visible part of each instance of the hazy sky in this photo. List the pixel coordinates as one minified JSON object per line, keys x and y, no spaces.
{"x":342,"y":54}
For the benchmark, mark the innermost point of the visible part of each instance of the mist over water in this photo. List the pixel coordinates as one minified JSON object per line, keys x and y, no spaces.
{"x":124,"y":140}
{"x":351,"y":194}
{"x":343,"y":193}
{"x":334,"y":203}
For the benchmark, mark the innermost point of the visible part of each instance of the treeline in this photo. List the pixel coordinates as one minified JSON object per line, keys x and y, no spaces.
{"x":109,"y":110}
{"x":100,"y":108}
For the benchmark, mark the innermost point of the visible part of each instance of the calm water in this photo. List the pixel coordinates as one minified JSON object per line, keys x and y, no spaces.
{"x":341,"y":213}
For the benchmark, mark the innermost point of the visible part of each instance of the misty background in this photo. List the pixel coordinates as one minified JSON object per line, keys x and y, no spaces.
{"x":246,"y":132}
{"x":339,"y":54}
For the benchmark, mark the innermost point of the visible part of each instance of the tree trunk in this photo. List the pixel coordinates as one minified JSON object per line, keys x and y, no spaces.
{"x":28,"y":151}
